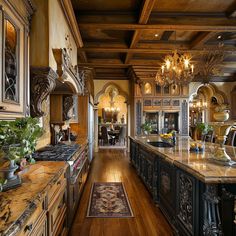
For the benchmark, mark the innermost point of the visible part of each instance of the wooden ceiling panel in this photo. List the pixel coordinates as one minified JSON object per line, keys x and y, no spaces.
{"x":153,"y":35}
{"x":105,"y":5}
{"x":148,"y":56}
{"x":184,"y":36}
{"x":201,"y":6}
{"x":109,"y":35}
{"x":120,"y":34}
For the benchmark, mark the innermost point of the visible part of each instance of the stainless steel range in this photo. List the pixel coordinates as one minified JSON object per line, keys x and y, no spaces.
{"x":77,"y":158}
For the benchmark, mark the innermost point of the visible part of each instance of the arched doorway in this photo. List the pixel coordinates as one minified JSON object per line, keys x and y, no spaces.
{"x":112,"y":114}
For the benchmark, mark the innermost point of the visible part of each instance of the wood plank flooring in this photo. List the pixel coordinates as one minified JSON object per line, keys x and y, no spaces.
{"x":111,"y":165}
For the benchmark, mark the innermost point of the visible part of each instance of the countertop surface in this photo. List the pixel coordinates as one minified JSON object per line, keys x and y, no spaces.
{"x":16,"y":205}
{"x":199,"y":165}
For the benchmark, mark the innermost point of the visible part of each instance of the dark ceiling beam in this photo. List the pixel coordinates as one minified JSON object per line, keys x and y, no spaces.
{"x":201,"y":39}
{"x":223,"y":25}
{"x":166,"y":35}
{"x":143,"y":19}
{"x":146,"y":50}
{"x":231,"y":11}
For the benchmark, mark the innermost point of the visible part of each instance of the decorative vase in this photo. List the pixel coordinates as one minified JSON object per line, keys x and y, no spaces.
{"x":12,"y":180}
{"x":221,"y":116}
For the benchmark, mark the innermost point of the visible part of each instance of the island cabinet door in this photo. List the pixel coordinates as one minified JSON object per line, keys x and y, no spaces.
{"x":187,"y":204}
{"x":167,"y":189}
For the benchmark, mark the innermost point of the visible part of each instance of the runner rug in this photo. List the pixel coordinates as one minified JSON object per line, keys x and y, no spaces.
{"x":109,"y":200}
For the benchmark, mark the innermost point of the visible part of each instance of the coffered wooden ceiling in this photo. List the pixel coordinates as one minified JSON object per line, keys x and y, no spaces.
{"x":124,"y":35}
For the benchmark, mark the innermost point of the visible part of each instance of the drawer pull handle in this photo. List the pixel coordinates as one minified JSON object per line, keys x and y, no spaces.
{"x":59,"y":182}
{"x":28,"y":227}
{"x":3,"y":108}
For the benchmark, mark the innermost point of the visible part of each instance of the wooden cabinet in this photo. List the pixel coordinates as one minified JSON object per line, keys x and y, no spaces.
{"x":14,"y":39}
{"x":61,"y":108}
{"x":50,"y":215}
{"x":146,"y":165}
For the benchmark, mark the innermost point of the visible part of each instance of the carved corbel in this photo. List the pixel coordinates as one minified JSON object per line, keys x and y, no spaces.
{"x":67,"y":105}
{"x":43,"y":82}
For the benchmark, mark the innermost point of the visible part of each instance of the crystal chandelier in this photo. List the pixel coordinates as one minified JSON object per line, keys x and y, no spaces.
{"x":176,"y":69}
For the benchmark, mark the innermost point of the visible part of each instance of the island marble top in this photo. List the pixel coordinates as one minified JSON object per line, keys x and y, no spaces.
{"x":199,"y":165}
{"x":16,"y":205}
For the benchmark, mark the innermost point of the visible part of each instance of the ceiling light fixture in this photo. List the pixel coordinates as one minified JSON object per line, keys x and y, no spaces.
{"x":156,"y":35}
{"x":176,"y":69}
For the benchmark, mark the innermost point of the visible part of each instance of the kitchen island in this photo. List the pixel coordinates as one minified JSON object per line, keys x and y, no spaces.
{"x":196,"y":195}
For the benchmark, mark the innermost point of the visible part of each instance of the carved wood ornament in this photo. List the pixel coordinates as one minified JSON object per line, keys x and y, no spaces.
{"x":43,"y":82}
{"x":67,"y":105}
{"x":65,"y":68}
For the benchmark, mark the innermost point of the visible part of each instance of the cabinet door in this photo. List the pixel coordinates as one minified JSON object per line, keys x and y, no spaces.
{"x":187,"y":204}
{"x":14,"y":67}
{"x":167,"y":189}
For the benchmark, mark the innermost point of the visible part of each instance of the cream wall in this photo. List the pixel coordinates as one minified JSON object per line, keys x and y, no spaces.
{"x":49,"y":30}
{"x":119,"y":100}
{"x":58,"y":30}
{"x":99,"y":84}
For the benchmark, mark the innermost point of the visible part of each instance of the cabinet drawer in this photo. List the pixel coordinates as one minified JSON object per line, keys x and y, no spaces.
{"x":61,"y":227}
{"x":55,"y":189}
{"x":33,"y":221}
{"x":41,"y":228}
{"x":57,"y":209}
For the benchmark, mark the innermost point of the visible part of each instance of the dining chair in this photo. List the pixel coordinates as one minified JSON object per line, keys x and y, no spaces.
{"x":104,"y":135}
{"x":231,"y":138}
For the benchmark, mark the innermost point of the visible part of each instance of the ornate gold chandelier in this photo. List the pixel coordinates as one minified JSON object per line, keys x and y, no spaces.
{"x":176,"y":69}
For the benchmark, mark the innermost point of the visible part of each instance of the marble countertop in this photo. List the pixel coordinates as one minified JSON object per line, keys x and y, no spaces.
{"x":199,"y":165}
{"x":16,"y":205}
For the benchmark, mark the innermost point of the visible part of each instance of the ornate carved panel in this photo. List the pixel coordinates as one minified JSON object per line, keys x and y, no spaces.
{"x":212,"y":221}
{"x":43,"y":82}
{"x":138,"y":117}
{"x":185,"y":200}
{"x":184,"y":111}
{"x":67,"y":106}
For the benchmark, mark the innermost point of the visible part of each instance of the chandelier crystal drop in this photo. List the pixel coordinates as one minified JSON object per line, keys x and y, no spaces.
{"x":176,"y":69}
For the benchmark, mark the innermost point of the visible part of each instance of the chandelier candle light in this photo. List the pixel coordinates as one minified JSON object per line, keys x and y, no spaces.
{"x":176,"y":69}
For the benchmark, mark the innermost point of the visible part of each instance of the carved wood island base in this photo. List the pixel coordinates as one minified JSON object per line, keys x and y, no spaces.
{"x":196,"y":196}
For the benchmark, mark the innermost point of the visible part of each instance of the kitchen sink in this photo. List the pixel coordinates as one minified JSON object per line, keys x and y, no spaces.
{"x":160,"y":144}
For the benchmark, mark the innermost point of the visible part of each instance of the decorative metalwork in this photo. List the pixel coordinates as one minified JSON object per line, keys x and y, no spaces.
{"x":43,"y":82}
{"x":184,"y":110}
{"x":165,"y":182}
{"x":210,"y":64}
{"x":68,"y":102}
{"x":138,"y":117}
{"x":212,"y":221}
{"x":11,"y":83}
{"x":185,"y":213}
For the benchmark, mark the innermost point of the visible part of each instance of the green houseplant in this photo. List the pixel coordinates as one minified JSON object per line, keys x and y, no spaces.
{"x":18,"y":140}
{"x":146,"y":127}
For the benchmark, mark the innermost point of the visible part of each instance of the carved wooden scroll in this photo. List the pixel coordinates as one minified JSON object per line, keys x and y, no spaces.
{"x":66,"y":70}
{"x":43,"y":82}
{"x":67,"y":105}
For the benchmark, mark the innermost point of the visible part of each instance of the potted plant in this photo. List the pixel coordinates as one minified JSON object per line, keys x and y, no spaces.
{"x":17,"y":141}
{"x":147,"y":128}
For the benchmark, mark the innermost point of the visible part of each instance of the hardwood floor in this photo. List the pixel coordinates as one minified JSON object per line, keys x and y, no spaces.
{"x":113,"y":166}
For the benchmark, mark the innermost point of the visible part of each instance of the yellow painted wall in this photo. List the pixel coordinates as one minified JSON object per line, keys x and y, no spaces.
{"x":99,"y":84}
{"x":58,"y":30}
{"x":49,"y":30}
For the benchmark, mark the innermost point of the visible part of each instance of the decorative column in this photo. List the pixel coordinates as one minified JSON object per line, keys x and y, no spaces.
{"x":185,"y":118}
{"x":211,"y":217}
{"x":96,"y":127}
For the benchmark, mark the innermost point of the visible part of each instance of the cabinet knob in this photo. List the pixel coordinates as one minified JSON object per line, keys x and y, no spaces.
{"x":3,"y":108}
{"x":28,"y":227}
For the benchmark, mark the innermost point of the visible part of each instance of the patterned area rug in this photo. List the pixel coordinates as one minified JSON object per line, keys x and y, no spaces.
{"x":109,"y":200}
